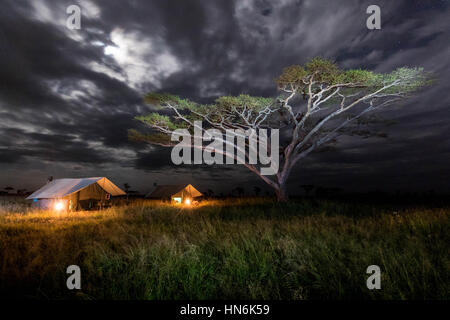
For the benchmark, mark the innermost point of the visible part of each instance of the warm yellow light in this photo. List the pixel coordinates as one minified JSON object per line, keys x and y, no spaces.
{"x":187,"y":201}
{"x":59,"y":206}
{"x":177,"y":200}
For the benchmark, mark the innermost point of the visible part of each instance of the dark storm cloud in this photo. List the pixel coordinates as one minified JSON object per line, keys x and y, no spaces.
{"x":69,"y":97}
{"x":50,"y":147}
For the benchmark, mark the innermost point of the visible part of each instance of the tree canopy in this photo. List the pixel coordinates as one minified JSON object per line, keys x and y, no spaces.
{"x":317,"y":101}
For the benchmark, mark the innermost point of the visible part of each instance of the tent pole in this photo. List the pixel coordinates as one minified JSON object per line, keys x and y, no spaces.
{"x":77,"y":200}
{"x":103,"y":191}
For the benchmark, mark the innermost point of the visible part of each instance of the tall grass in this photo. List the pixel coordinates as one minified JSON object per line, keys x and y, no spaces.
{"x":240,"y":249}
{"x":13,"y":204}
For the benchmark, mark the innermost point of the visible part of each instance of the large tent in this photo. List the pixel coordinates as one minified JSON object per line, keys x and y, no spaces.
{"x":76,"y":194}
{"x":177,"y":193}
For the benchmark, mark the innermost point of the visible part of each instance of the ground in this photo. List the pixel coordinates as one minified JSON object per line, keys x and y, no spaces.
{"x":237,"y":249}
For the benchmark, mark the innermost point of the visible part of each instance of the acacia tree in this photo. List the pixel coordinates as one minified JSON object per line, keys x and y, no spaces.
{"x":318,"y":103}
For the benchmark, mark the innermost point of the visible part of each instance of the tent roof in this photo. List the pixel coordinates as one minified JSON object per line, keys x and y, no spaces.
{"x":60,"y":188}
{"x":166,"y":191}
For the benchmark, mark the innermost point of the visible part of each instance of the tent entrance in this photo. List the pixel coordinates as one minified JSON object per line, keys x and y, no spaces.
{"x":177,"y":199}
{"x":92,"y":197}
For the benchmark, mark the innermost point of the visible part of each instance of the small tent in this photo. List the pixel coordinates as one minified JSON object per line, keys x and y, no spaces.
{"x":75,"y":194}
{"x":176,"y":193}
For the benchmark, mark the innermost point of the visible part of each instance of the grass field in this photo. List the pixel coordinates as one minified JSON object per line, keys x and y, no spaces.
{"x":239,"y":249}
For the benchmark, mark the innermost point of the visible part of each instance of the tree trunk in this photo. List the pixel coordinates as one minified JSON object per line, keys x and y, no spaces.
{"x":282,"y":195}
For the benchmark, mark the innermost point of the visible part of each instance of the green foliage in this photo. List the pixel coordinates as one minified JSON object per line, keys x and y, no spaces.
{"x":156,"y":119}
{"x":235,"y":249}
{"x":322,"y":70}
{"x":358,"y":76}
{"x":325,"y":72}
{"x":318,"y":69}
{"x":242,"y":101}
{"x":330,"y":86}
{"x":155,"y":98}
{"x":292,"y":75}
{"x":223,"y":106}
{"x":161,"y":99}
{"x":411,"y":79}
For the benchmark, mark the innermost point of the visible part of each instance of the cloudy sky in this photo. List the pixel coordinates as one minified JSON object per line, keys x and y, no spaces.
{"x":68,"y":97}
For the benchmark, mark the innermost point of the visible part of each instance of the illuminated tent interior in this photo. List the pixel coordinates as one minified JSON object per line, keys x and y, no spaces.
{"x":76,"y":194}
{"x":176,"y":193}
